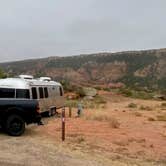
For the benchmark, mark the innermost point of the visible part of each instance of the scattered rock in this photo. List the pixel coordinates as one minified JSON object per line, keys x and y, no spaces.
{"x":161,"y":97}
{"x":89,"y":91}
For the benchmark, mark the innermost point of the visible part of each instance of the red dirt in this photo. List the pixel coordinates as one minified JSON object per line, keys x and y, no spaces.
{"x":137,"y":137}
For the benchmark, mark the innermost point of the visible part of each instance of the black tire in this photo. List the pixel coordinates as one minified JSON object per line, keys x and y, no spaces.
{"x":15,"y":125}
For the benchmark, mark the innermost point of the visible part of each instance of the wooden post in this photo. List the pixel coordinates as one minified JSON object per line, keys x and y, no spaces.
{"x":63,"y":124}
{"x":70,"y":112}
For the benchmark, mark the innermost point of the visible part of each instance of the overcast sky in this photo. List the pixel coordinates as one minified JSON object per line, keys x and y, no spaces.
{"x":42,"y":28}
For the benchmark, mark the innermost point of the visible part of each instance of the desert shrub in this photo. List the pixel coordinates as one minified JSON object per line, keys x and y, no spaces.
{"x":136,"y":94}
{"x":103,"y":117}
{"x":80,"y":92}
{"x":80,"y":139}
{"x":114,"y":123}
{"x":163,"y":104}
{"x":68,"y":87}
{"x":99,"y":100}
{"x":126,"y":92}
{"x":98,"y":88}
{"x":151,"y":119}
{"x":142,"y":95}
{"x":2,"y":74}
{"x":147,"y":108}
{"x":137,"y":114}
{"x":142,"y":107}
{"x":161,"y":117}
{"x":132,"y":105}
{"x":106,"y":89}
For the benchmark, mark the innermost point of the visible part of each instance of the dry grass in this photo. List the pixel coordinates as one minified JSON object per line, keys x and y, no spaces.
{"x":121,"y":143}
{"x":103,"y":117}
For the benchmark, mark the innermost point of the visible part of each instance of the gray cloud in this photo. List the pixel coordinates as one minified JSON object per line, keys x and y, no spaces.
{"x":32,"y":29}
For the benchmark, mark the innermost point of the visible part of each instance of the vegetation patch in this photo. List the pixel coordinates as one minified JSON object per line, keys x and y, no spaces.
{"x":163,"y":104}
{"x":80,"y":139}
{"x":151,"y":119}
{"x":134,"y":93}
{"x":132,"y":105}
{"x":137,"y":114}
{"x":102,"y":117}
{"x":147,"y":108}
{"x":113,"y":122}
{"x":95,"y":103}
{"x":161,"y":117}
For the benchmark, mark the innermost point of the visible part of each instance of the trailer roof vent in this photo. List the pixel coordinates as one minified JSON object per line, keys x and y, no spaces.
{"x":47,"y":79}
{"x":26,"y":77}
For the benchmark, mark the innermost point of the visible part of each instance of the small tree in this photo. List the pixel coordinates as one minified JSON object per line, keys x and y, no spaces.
{"x":2,"y":74}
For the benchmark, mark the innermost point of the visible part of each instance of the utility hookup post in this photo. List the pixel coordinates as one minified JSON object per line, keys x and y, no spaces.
{"x":63,"y":124}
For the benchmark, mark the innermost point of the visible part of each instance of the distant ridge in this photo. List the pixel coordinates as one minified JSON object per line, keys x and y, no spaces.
{"x":133,"y":68}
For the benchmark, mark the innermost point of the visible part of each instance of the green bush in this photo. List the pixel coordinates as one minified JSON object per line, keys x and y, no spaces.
{"x":80,"y":92}
{"x":126,"y":92}
{"x":99,"y":100}
{"x":136,"y":94}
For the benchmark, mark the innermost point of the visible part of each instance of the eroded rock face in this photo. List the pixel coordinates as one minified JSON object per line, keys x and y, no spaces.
{"x":161,"y":68}
{"x":133,"y":67}
{"x":104,"y":72}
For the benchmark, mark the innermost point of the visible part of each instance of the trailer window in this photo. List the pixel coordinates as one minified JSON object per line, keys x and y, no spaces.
{"x":34,"y":93}
{"x":60,"y":90}
{"x":7,"y":93}
{"x":22,"y":93}
{"x":46,"y":92}
{"x":41,"y":93}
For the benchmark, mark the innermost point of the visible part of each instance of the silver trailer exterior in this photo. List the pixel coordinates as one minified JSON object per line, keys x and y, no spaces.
{"x":49,"y":93}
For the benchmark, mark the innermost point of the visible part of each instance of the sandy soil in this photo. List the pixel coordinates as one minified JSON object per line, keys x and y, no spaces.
{"x":91,"y":142}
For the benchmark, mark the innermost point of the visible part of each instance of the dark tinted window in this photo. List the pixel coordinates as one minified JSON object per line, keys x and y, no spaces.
{"x":34,"y":93}
{"x":60,"y":90}
{"x":7,"y":93}
{"x":46,"y":92}
{"x":41,"y":93}
{"x":22,"y":93}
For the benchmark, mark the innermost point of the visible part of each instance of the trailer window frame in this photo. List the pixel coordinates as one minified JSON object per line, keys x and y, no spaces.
{"x":34,"y":93}
{"x":46,"y":95}
{"x":8,"y":93}
{"x":41,"y":92}
{"x":22,"y":94}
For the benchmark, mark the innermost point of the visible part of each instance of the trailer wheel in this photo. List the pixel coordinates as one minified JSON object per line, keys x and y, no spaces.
{"x":49,"y":113}
{"x":15,"y":125}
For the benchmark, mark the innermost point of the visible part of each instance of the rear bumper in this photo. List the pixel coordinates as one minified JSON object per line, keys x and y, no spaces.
{"x":35,"y":119}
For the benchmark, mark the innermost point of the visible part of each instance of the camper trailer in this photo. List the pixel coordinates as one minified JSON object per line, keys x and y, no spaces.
{"x":49,"y":93}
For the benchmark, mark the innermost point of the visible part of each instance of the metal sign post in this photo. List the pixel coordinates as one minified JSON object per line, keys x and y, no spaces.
{"x":63,"y":124}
